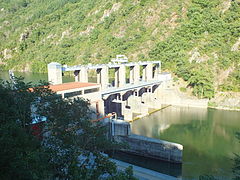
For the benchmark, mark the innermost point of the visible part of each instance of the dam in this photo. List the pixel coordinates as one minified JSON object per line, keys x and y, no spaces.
{"x":125,"y":97}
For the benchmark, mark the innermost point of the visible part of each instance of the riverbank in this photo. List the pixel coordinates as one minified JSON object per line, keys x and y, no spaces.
{"x":171,"y":94}
{"x":229,"y":101}
{"x":225,"y":108}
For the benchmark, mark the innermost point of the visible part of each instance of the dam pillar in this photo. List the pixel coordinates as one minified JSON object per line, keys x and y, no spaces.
{"x":131,"y":76}
{"x":135,"y":103}
{"x":116,"y":77}
{"x":83,"y":74}
{"x":144,"y":73}
{"x":103,"y":77}
{"x":55,"y":73}
{"x":149,"y":72}
{"x":98,"y":76}
{"x":122,"y":75}
{"x":150,"y":98}
{"x":76,"y":75}
{"x":126,"y":111}
{"x":156,"y":71}
{"x":136,"y":73}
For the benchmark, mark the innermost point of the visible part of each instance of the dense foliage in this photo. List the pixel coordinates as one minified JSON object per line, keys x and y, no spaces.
{"x":69,"y":146}
{"x":195,"y":39}
{"x":206,"y":30}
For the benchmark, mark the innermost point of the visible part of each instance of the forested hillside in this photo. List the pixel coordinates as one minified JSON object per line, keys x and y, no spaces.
{"x":198,"y":40}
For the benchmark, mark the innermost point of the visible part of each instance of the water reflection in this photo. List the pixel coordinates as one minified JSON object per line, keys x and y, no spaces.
{"x":208,"y":137}
{"x":164,"y":167}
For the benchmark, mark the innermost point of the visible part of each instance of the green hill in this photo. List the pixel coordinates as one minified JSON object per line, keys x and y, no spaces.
{"x":198,"y":40}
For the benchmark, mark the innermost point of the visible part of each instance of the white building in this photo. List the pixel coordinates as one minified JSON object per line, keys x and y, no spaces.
{"x":90,"y":91}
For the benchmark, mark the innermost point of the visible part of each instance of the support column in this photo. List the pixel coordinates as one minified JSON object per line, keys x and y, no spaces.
{"x":144,"y":73}
{"x":131,"y":76}
{"x":136,"y":73}
{"x":55,"y":73}
{"x":76,"y":75}
{"x":83,"y":74}
{"x":149,"y":72}
{"x":98,"y":76}
{"x":156,"y":71}
{"x":116,"y":76}
{"x":104,"y":77}
{"x":122,"y":75}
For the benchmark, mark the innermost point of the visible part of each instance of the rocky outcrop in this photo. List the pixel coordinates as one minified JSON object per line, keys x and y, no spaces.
{"x":195,"y":56}
{"x":236,"y":46}
{"x":24,"y":36}
{"x":7,"y":54}
{"x":108,"y":12}
{"x":226,"y":100}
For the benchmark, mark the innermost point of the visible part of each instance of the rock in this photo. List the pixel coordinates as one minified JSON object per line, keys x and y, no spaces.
{"x":226,"y":5}
{"x":7,"y":54}
{"x":24,"y":36}
{"x":6,"y":22}
{"x":227,"y":100}
{"x":108,"y":12}
{"x":87,"y":31}
{"x":236,"y":47}
{"x":65,"y":33}
{"x":196,"y":56}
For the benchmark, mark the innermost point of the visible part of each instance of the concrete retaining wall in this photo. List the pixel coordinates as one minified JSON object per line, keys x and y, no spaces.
{"x":153,"y":148}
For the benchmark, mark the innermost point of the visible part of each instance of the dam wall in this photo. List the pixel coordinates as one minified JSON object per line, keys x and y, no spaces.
{"x":145,"y":146}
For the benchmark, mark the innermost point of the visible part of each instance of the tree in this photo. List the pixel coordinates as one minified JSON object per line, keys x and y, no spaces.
{"x":70,"y":146}
{"x":22,"y":155}
{"x":202,"y":83}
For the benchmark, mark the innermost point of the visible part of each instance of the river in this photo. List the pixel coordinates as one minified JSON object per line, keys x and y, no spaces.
{"x":208,"y":137}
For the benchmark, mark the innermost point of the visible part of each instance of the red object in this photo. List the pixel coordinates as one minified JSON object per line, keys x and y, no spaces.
{"x":37,"y":130}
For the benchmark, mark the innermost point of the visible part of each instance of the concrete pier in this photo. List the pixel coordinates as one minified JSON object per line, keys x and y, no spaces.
{"x":153,"y":148}
{"x":149,"y":72}
{"x":83,"y":76}
{"x":76,"y":75}
{"x":122,"y":75}
{"x":136,"y":73}
{"x":131,"y":75}
{"x":104,"y":77}
{"x":145,"y":146}
{"x":55,"y":73}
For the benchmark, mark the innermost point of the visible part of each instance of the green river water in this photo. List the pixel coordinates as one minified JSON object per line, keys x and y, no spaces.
{"x":208,"y":137}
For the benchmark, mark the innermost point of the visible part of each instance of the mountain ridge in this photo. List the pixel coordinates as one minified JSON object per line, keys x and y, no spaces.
{"x":198,"y":40}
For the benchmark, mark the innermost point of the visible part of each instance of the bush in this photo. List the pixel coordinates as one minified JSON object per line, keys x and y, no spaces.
{"x":183,"y":89}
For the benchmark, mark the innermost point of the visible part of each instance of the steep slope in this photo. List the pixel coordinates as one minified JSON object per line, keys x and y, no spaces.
{"x":196,"y":39}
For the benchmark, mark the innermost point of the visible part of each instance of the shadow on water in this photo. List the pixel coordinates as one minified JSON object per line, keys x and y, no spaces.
{"x":172,"y":169}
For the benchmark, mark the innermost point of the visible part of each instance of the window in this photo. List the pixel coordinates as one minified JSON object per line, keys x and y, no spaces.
{"x":72,"y":94}
{"x":91,"y":90}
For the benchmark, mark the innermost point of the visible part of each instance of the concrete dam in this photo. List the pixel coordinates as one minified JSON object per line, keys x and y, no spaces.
{"x":124,"y":98}
{"x":138,"y":96}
